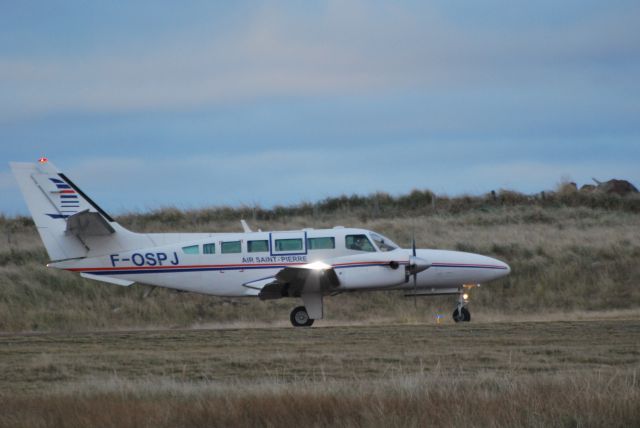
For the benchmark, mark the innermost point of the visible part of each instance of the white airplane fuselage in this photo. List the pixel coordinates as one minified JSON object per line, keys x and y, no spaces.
{"x":227,"y":274}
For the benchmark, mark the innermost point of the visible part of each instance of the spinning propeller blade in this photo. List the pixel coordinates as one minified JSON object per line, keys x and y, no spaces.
{"x":415,"y":275}
{"x":416,"y":265}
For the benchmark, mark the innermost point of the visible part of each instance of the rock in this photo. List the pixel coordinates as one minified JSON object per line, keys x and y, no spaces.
{"x":618,"y":187}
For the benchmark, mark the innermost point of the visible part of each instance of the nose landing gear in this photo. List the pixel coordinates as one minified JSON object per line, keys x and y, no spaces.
{"x":461,"y":313}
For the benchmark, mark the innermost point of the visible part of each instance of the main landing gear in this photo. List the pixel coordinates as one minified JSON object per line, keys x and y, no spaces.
{"x":300,"y":318}
{"x":303,"y":316}
{"x":461,"y":313}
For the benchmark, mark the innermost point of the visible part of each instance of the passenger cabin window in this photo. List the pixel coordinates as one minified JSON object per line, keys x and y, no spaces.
{"x":191,"y":249}
{"x":231,"y":247}
{"x":328,"y":243}
{"x":288,"y":244}
{"x":384,"y":244}
{"x":209,"y":249}
{"x":258,"y":246}
{"x":358,"y":243}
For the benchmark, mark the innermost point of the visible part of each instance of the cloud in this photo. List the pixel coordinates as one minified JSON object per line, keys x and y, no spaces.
{"x":346,"y":48}
{"x":299,"y":102}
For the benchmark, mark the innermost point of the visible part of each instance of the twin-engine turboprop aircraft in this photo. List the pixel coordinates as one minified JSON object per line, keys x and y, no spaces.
{"x":309,"y":264}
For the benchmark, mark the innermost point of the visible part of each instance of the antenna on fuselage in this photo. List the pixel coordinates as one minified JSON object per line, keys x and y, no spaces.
{"x":245,"y":226}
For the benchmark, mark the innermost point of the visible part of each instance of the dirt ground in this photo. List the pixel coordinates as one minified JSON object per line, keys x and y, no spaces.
{"x":75,"y":379}
{"x":36,"y":363}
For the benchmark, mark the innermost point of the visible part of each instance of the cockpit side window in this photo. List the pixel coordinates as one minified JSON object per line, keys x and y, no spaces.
{"x":384,"y":244}
{"x":359,"y":243}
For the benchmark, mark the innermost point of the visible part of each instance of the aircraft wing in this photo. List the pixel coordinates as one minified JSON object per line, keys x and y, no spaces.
{"x":295,"y":281}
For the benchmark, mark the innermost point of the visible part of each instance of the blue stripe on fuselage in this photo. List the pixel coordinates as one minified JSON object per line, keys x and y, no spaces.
{"x":112,"y":271}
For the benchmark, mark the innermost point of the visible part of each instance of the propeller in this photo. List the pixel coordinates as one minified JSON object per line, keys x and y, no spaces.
{"x":416,"y":265}
{"x":415,"y":275}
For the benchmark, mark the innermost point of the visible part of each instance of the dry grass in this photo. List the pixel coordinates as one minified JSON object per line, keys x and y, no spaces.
{"x":505,"y":374}
{"x":431,"y":400}
{"x":565,"y":258}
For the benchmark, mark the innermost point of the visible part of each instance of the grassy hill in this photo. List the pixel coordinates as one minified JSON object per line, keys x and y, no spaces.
{"x":568,"y":251}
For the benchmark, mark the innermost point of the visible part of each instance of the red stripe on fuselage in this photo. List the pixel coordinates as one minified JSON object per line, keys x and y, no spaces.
{"x":227,"y":266}
{"x":181,"y":267}
{"x":274,"y":265}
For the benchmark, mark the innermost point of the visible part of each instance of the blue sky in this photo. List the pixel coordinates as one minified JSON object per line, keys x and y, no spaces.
{"x":194,"y":104}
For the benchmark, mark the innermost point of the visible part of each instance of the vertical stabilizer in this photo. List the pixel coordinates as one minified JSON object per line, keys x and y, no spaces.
{"x":51,"y":201}
{"x":70,"y":224}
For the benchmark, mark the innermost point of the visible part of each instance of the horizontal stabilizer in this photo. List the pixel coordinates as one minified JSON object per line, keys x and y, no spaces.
{"x":110,"y":280}
{"x":87,"y":223}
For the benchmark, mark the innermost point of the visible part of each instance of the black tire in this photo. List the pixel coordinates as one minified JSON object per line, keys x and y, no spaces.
{"x":463,"y":315}
{"x":466,"y":315}
{"x":300,"y":318}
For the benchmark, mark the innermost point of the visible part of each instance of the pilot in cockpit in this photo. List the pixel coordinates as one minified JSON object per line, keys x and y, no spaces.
{"x":359,"y":244}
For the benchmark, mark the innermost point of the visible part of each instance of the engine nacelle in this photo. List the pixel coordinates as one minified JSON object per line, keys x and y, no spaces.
{"x":370,"y":277}
{"x":371,"y":271}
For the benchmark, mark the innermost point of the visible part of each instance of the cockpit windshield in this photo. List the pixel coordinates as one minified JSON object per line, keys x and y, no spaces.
{"x":384,"y":244}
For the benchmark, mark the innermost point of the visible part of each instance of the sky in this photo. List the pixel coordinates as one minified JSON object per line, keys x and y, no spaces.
{"x":193,"y":104}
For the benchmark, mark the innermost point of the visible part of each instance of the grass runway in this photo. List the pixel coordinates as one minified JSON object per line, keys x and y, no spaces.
{"x":505,"y":373}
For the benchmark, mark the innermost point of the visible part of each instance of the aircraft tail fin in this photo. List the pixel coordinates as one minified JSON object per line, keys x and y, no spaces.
{"x":70,"y":224}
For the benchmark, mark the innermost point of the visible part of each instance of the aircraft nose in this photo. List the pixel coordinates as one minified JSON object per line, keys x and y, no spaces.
{"x":504,"y":269}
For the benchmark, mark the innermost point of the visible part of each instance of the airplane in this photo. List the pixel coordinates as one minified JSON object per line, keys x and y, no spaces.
{"x":310,"y":264}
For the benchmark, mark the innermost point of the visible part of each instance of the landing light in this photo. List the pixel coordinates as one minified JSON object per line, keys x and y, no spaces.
{"x":318,"y":266}
{"x":43,"y":159}
{"x":465,"y":296}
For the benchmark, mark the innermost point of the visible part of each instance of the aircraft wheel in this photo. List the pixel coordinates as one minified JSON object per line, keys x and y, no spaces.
{"x":300,"y":318}
{"x":461,"y":314}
